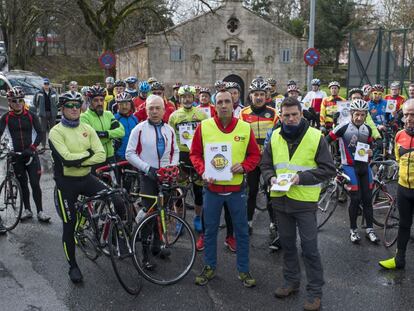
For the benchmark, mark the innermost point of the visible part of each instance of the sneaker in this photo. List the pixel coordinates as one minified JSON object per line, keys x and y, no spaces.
{"x":391,"y":264}
{"x":312,"y":305}
{"x":206,"y":275}
{"x":272,"y":228}
{"x":3,"y":229}
{"x":275,"y":243}
{"x":42,"y":217}
{"x":247,"y":279}
{"x":230,"y":242}
{"x":197,"y":224}
{"x":200,"y":243}
{"x":354,"y":236}
{"x":26,"y":214}
{"x":286,"y":291}
{"x":370,"y":235}
{"x":75,"y":274}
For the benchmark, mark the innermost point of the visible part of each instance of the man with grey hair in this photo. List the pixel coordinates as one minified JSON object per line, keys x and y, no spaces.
{"x":151,"y":146}
{"x":73,"y":86}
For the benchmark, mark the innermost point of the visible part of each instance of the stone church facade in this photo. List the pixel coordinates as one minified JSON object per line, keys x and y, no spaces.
{"x":231,"y":43}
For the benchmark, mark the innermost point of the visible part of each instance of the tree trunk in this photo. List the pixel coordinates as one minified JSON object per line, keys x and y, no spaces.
{"x":337,"y":54}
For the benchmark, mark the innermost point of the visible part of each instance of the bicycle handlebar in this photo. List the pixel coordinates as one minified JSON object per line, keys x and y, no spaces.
{"x":111,"y":166}
{"x":103,"y":194}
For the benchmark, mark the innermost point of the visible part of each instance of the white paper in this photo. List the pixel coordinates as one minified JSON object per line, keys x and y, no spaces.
{"x":278,"y":102}
{"x":344,"y":109}
{"x":186,"y":133}
{"x":391,"y":105}
{"x":218,"y":161}
{"x":305,"y":106}
{"x":206,"y":110}
{"x":361,"y":152}
{"x":283,"y":182}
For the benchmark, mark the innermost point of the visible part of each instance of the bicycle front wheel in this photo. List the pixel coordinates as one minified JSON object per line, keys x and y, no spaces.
{"x":11,"y":203}
{"x":162,"y":256}
{"x":122,"y":259}
{"x":327,"y":204}
{"x":391,"y":225}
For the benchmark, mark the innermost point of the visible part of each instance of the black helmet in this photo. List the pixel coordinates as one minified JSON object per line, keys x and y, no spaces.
{"x":356,"y":90}
{"x":95,"y":91}
{"x":70,"y":97}
{"x":157,"y":86}
{"x":120,"y":83}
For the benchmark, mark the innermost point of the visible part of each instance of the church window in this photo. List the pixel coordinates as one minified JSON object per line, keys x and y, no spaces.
{"x":177,"y":53}
{"x":285,"y":55}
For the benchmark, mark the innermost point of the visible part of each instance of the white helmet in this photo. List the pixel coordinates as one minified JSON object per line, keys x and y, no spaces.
{"x":359,"y":104}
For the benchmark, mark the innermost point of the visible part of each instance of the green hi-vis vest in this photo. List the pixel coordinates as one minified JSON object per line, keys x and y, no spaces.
{"x":302,"y":160}
{"x":239,"y":139}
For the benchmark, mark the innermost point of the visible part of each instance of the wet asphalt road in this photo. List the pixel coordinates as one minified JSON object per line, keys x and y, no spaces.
{"x":33,"y":273}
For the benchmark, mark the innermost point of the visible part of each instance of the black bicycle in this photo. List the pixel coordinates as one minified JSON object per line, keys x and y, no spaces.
{"x":11,"y":203}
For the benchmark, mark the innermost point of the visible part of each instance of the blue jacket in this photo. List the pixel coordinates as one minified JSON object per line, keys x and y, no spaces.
{"x":378,"y":114}
{"x":128,"y":123}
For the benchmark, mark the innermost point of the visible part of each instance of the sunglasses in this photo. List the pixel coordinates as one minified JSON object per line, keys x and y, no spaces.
{"x":15,"y":101}
{"x":157,"y":93}
{"x":377,"y":93}
{"x":72,"y":105}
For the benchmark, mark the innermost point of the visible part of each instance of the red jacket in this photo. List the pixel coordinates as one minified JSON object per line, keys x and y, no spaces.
{"x":141,"y":113}
{"x":139,"y":102}
{"x":197,"y":155}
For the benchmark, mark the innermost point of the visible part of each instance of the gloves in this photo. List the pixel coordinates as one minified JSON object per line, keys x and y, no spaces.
{"x":117,"y":143}
{"x":102,"y":134}
{"x":27,"y":152}
{"x":152,"y":174}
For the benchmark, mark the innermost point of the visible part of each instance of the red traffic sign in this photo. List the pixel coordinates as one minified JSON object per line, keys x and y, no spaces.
{"x":107,"y":60}
{"x":311,"y":57}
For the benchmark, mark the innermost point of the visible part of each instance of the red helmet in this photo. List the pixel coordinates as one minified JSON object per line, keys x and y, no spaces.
{"x":293,"y":88}
{"x":378,"y":88}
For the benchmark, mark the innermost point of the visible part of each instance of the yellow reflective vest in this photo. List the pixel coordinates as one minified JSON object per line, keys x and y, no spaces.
{"x":239,"y":139}
{"x":302,"y":160}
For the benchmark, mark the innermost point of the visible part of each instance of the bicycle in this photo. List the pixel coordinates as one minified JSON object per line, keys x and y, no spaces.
{"x":162,"y":237}
{"x":391,"y":225}
{"x":11,"y":203}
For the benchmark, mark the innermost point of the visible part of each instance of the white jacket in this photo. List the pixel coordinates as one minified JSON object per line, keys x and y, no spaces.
{"x":142,"y":151}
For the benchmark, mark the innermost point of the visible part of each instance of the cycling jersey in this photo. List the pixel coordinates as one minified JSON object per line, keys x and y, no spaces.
{"x":107,"y":123}
{"x":261,"y":121}
{"x":328,"y":110}
{"x":186,"y":120}
{"x":108,"y":98}
{"x":70,"y":150}
{"x":139,"y":102}
{"x":208,"y":109}
{"x":23,"y":129}
{"x":128,"y":122}
{"x":378,"y":112}
{"x":349,"y":135}
{"x":237,"y":107}
{"x":404,"y":154}
{"x":315,"y":99}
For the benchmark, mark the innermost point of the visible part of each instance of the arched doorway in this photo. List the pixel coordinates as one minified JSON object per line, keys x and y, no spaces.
{"x":237,"y":79}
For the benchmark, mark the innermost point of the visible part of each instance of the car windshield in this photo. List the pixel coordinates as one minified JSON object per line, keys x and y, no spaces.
{"x":30,"y":87}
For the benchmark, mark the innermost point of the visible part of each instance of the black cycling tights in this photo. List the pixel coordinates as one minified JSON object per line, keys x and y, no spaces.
{"x":33,"y":170}
{"x":405,"y":201}
{"x":69,"y":188}
{"x":364,"y":195}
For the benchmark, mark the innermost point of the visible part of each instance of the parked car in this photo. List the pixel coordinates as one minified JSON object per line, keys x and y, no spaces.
{"x":29,"y":81}
{"x":3,"y":57}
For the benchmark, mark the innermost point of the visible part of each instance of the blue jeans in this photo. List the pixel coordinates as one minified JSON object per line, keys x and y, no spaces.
{"x":236,"y":202}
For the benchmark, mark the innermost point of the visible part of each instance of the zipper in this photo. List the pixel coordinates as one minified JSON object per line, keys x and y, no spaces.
{"x":21,"y":132}
{"x":100,"y":121}
{"x":156,"y":145}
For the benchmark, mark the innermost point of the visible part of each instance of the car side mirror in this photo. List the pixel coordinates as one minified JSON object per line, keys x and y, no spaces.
{"x":3,"y":93}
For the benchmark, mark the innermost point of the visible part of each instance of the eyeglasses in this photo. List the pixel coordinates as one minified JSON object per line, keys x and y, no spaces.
{"x":15,"y":101}
{"x":72,"y":105}
{"x":157,"y":93}
{"x":376,"y":93}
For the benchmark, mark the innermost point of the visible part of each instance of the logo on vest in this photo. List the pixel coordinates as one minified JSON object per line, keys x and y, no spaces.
{"x":219,"y":162}
{"x":239,"y":138}
{"x":85,"y":134}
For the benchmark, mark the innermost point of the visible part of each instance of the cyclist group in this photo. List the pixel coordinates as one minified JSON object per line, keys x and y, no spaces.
{"x":270,"y":136}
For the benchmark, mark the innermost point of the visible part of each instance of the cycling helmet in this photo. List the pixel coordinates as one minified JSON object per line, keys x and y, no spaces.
{"x":271,"y":81}
{"x":15,"y":93}
{"x":334,"y":83}
{"x":395,"y":84}
{"x":197,"y":87}
{"x":220,"y":85}
{"x":377,"y":88}
{"x":123,"y":97}
{"x":84,"y":90}
{"x":316,"y":82}
{"x":258,"y":85}
{"x":291,"y":82}
{"x":70,"y":97}
{"x":177,"y":85}
{"x":110,"y":80}
{"x":292,"y":88}
{"x":120,"y":83}
{"x":96,"y":91}
{"x":367,"y":89}
{"x":259,"y":78}
{"x":356,"y":90}
{"x":151,"y":80}
{"x":232,"y":85}
{"x":205,"y":90}
{"x":131,"y":80}
{"x":359,"y":104}
{"x":268,"y":87}
{"x":187,"y":89}
{"x":157,"y":86}
{"x":144,"y":87}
